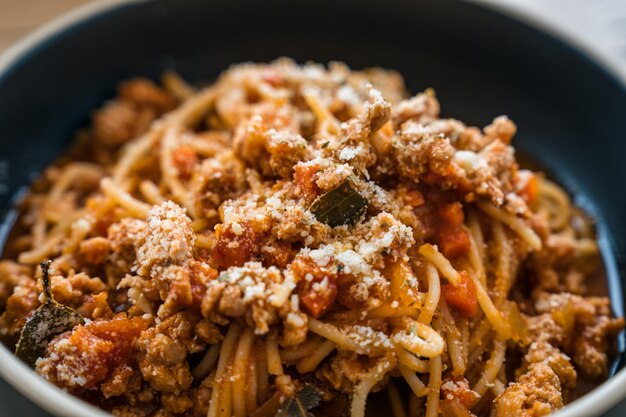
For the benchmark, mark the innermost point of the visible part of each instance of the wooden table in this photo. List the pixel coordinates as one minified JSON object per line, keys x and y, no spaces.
{"x":18,"y":17}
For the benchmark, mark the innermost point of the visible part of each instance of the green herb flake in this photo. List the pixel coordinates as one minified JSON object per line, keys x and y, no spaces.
{"x":299,"y":405}
{"x":341,"y":206}
{"x":49,"y":320}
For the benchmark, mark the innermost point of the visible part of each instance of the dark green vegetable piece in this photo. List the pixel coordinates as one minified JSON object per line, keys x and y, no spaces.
{"x":341,"y":206}
{"x":299,"y":405}
{"x":50,"y":319}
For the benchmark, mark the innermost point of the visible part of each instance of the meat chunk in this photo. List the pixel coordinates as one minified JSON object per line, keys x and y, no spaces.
{"x":536,"y":393}
{"x":78,"y":291}
{"x":417,"y":153}
{"x":11,"y":275}
{"x":138,"y":103}
{"x":167,"y":240}
{"x":216,"y":180}
{"x":422,"y":108}
{"x":346,"y":369}
{"x":123,"y":379}
{"x":376,"y":113}
{"x":260,"y":295}
{"x":23,"y":300}
{"x":143,"y":92}
{"x":119,"y":121}
{"x":163,"y":352}
{"x":502,"y":128}
{"x":122,"y":237}
{"x":95,"y":250}
{"x":545,"y":353}
{"x":592,"y":345}
{"x":73,"y":289}
{"x":270,"y":142}
{"x":588,"y":327}
{"x":285,"y":149}
{"x":424,"y":154}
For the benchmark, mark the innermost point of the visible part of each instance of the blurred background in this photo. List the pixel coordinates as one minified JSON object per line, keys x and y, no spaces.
{"x":598,"y":27}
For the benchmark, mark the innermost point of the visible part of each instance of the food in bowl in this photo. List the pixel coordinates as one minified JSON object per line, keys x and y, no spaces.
{"x":292,"y":239}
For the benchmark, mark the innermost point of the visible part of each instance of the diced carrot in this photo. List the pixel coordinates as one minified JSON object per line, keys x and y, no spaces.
{"x":234,"y":249}
{"x":452,"y":214}
{"x":462,"y":297}
{"x":453,"y":242}
{"x":317,"y":303}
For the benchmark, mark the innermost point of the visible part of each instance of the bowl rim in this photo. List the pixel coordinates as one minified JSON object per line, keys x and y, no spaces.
{"x":54,"y":400}
{"x":544,"y":25}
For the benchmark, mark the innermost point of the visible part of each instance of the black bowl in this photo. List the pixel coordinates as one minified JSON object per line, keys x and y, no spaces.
{"x":569,"y":110}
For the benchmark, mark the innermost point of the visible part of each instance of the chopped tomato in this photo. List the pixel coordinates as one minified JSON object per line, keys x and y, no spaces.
{"x":184,"y":159}
{"x":88,"y":355}
{"x":453,"y":242}
{"x":92,"y":351}
{"x":123,"y":332}
{"x":441,"y":223}
{"x":459,"y":389}
{"x":317,"y":286}
{"x":235,"y":249}
{"x":530,"y":188}
{"x":317,"y":303}
{"x":304,"y":178}
{"x":414,"y":198}
{"x":462,"y":297}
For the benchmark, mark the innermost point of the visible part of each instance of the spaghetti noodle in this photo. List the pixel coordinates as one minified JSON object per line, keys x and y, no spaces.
{"x":294,"y":226}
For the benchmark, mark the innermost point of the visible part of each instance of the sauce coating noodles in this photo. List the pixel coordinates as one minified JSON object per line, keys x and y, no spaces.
{"x":294,"y":226}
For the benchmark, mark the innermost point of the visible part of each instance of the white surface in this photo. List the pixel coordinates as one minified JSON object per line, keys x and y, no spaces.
{"x":598,"y":27}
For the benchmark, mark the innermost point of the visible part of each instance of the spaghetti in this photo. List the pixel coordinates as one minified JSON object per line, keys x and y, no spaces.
{"x":301,"y":226}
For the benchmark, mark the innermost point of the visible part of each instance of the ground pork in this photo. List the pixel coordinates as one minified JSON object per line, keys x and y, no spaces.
{"x":536,"y":393}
